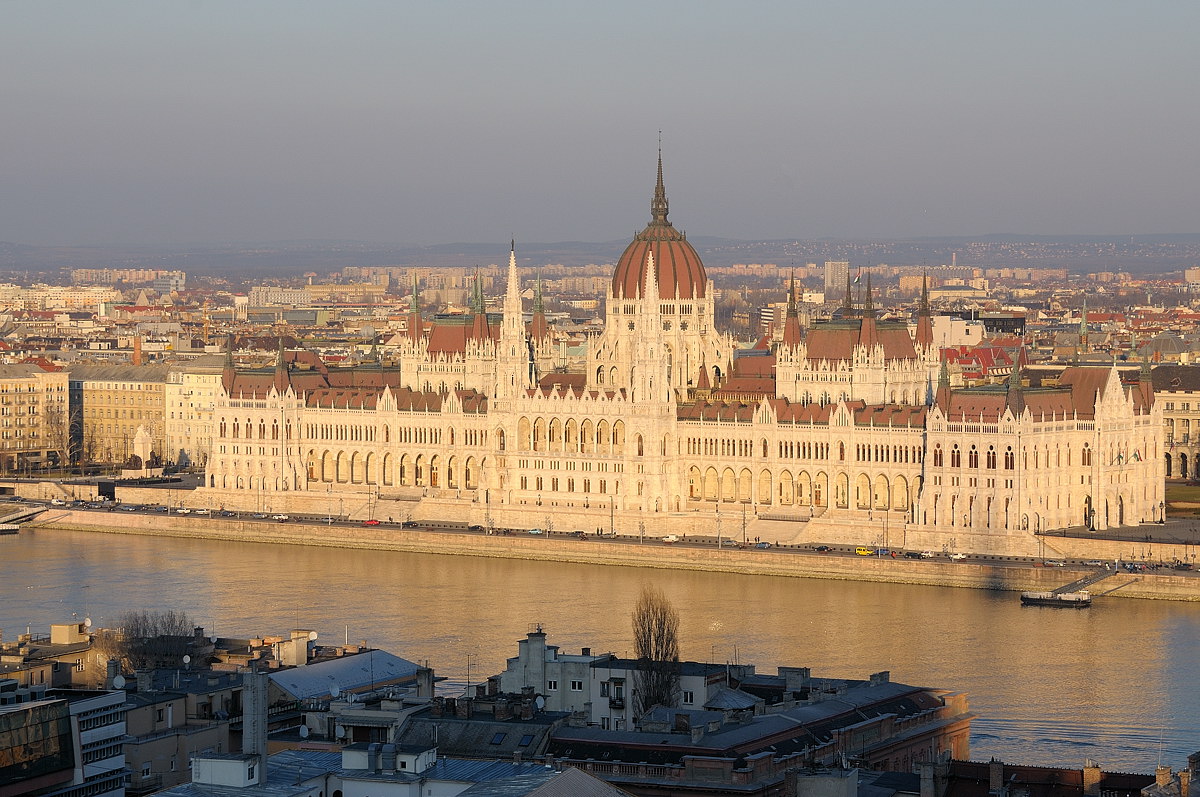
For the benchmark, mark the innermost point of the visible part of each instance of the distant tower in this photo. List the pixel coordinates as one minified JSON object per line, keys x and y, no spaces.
{"x":836,"y":272}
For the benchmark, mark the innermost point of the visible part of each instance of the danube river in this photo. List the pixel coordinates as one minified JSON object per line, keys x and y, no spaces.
{"x":1115,"y":683}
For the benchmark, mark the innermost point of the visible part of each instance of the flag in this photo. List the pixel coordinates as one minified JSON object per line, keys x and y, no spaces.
{"x":1137,"y":455}
{"x":1120,"y":458}
{"x":858,"y":277}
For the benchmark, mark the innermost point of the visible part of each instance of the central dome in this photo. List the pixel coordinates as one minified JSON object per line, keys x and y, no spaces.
{"x":680,"y":272}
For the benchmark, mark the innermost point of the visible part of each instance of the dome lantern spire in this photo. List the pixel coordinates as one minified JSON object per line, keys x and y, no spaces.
{"x":658,"y":205}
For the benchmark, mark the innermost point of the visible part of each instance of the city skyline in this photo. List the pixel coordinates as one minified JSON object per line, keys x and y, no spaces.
{"x":430,"y":124}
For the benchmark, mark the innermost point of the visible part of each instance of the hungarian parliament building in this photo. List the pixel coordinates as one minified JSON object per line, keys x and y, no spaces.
{"x":848,"y":429}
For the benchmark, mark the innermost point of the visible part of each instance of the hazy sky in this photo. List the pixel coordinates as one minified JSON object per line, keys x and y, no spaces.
{"x":153,"y":122}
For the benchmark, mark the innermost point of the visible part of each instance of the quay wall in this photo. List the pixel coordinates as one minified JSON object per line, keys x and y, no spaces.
{"x":995,"y":573}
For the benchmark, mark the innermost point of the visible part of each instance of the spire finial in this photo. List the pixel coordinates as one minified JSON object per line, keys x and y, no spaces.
{"x":924,"y":294}
{"x":869,"y":304}
{"x":658,"y":205}
{"x":539,"y":305}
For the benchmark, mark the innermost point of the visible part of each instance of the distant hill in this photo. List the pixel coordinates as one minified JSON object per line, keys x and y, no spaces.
{"x":1136,"y":253}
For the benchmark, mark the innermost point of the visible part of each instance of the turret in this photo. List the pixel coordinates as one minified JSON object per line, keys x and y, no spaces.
{"x":791,"y":324}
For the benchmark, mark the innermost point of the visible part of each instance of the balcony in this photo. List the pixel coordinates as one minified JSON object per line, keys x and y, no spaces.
{"x":617,"y":703}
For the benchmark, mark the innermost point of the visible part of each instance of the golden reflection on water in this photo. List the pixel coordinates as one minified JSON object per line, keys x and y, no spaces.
{"x":1050,"y":686}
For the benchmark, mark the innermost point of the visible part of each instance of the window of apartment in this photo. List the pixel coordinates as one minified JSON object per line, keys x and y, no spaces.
{"x":604,"y":689}
{"x":604,"y":723}
{"x":158,"y":715}
{"x":551,"y":686}
{"x":576,"y":686}
{"x":688,"y":697}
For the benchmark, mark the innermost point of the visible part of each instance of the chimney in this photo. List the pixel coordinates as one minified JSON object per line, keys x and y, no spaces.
{"x":995,"y":773}
{"x":254,"y":718}
{"x":881,"y":677}
{"x":137,"y":350}
{"x":424,"y":682}
{"x":1091,"y":778}
{"x":1162,"y":776}
{"x":112,"y":668}
{"x":587,"y":651}
{"x":1185,"y":782}
{"x":389,"y":759}
{"x":145,"y":681}
{"x":373,"y":756}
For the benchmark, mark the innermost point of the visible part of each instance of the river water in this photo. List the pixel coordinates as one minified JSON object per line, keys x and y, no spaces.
{"x":1115,"y":683}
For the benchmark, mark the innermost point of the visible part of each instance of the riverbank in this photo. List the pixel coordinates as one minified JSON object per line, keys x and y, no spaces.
{"x":993,"y":573}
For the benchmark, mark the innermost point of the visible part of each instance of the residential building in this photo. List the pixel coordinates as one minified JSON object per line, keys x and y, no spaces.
{"x":189,"y":395}
{"x":34,"y":418}
{"x":118,"y":411}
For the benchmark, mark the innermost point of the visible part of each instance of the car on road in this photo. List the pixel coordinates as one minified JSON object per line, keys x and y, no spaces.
{"x":1054,"y":563}
{"x":1094,"y":563}
{"x":670,"y":539}
{"x":57,"y":502}
{"x":536,"y":531}
{"x":201,"y":511}
{"x":762,"y":545}
{"x":183,"y":510}
{"x":823,"y":548}
{"x":958,"y":557}
{"x":926,"y":554}
{"x":863,"y":550}
{"x":371,"y":522}
{"x":912,"y":555}
{"x":579,"y":534}
{"x":280,"y":518}
{"x":129,"y":507}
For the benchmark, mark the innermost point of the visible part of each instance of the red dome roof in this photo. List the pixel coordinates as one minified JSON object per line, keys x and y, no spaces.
{"x":680,"y":272}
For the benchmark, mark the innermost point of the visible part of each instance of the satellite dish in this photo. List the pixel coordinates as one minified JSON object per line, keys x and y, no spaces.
{"x":87,"y":621}
{"x":119,"y":682}
{"x":312,"y":636}
{"x":303,"y":731}
{"x":334,"y":690}
{"x":340,"y":731}
{"x":187,"y":659}
{"x":540,"y":702}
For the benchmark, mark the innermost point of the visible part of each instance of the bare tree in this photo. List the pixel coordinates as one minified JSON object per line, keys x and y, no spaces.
{"x":656,"y":642}
{"x":59,"y":438}
{"x":147,"y":639}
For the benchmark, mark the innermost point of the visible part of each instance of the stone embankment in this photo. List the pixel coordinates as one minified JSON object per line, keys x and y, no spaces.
{"x":994,"y":573}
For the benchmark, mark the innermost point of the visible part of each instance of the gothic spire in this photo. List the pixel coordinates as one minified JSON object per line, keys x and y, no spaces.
{"x":869,"y":303}
{"x":791,"y":324}
{"x":848,"y":302}
{"x":658,"y":205}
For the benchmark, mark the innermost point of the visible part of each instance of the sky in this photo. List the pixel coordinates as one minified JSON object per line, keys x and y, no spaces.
{"x":437,"y":122}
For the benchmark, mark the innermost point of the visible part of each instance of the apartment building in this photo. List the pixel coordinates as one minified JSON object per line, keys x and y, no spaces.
{"x":34,"y":418}
{"x":113,"y":405}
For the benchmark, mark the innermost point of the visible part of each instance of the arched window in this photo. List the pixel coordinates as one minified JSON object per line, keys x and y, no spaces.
{"x":973,"y":458}
{"x":991,"y":458}
{"x":1010,"y":459}
{"x":955,"y":457}
{"x":1086,"y":457}
{"x":937,"y":456}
